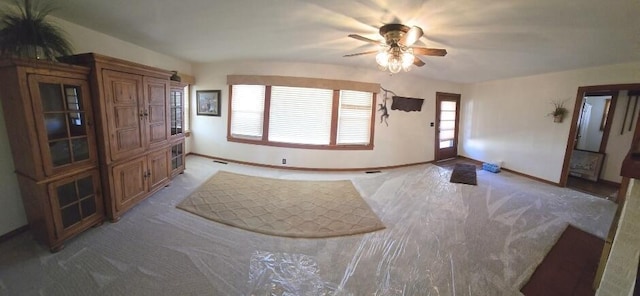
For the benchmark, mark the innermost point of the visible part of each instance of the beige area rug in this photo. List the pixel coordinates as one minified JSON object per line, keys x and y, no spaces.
{"x":291,"y":208}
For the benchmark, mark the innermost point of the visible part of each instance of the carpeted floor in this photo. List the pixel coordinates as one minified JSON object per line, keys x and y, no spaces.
{"x":569,"y":268}
{"x":440,"y":239}
{"x":292,"y":208}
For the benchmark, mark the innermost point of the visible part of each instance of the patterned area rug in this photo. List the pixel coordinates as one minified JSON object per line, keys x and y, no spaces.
{"x":309,"y":209}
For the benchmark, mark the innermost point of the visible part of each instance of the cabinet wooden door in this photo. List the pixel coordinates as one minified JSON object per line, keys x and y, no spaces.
{"x":76,"y":203}
{"x":158,"y":173}
{"x":125,"y":114}
{"x":156,"y":92}
{"x":64,"y":123}
{"x":129,"y":183}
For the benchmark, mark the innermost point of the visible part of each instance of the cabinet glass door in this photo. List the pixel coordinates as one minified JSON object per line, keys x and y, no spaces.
{"x":176,"y":102}
{"x":61,"y":108}
{"x":177,"y":158}
{"x":76,"y":201}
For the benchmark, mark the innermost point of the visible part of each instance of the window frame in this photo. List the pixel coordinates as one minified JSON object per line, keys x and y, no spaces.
{"x":334,"y":122}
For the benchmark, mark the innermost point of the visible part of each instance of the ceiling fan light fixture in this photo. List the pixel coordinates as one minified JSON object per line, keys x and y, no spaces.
{"x":395,"y":59}
{"x":407,"y":60}
{"x":395,"y":65}
{"x":397,"y":52}
{"x":382,"y":58}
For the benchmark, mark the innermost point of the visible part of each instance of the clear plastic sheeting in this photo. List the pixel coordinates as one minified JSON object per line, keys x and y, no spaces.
{"x":440,"y":239}
{"x":285,"y":274}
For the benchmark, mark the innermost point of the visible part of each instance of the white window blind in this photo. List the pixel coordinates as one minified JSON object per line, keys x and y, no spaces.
{"x":354,"y":119}
{"x":300,"y":115}
{"x":247,"y":111}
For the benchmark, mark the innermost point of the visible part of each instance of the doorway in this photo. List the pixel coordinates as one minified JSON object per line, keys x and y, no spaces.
{"x":589,"y":134}
{"x":594,"y":121}
{"x":447,"y":121}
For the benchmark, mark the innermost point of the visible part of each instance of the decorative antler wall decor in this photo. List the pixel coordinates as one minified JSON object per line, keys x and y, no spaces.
{"x":635,"y":95}
{"x":383,"y":107}
{"x":407,"y":104}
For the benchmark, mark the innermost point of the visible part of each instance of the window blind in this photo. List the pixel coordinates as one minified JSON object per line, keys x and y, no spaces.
{"x":300,"y":115}
{"x":354,"y":118}
{"x":247,"y":111}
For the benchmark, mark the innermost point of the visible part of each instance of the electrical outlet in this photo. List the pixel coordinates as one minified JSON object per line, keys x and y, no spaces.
{"x":284,"y":161}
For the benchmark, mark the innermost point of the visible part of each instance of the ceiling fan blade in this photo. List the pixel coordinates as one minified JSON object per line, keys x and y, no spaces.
{"x":411,"y":36}
{"x":418,"y":62}
{"x":360,"y":53}
{"x":429,"y":51}
{"x":365,"y":39}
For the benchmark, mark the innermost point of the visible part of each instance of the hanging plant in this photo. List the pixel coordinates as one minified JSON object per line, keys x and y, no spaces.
{"x":25,"y":33}
{"x":559,"y":112}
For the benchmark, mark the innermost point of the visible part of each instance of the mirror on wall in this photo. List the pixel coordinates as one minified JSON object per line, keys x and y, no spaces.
{"x":592,"y":121}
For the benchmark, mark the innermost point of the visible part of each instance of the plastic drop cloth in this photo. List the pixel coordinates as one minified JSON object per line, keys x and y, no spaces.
{"x":440,"y":239}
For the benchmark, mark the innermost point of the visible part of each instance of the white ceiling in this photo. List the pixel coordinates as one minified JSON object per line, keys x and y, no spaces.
{"x":486,"y":39}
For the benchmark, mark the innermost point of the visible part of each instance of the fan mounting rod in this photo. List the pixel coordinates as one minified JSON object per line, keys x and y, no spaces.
{"x":392,"y":33}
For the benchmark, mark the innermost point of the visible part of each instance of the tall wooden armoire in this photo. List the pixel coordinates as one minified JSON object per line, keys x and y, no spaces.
{"x":48,"y":113}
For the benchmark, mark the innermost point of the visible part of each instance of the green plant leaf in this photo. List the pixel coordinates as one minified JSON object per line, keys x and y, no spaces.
{"x":25,"y":32}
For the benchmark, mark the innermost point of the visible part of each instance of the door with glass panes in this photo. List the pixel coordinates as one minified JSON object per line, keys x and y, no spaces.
{"x":76,"y":203}
{"x":447,"y":117}
{"x":64,"y":123}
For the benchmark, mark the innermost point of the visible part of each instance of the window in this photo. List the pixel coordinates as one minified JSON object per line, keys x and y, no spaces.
{"x":247,"y":111}
{"x":300,"y":115}
{"x":304,"y":117}
{"x":354,"y":119}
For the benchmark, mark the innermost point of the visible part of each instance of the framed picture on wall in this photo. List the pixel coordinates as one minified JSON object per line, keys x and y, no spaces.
{"x":208,"y":102}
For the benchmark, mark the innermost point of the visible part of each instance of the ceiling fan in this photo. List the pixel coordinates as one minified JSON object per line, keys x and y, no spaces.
{"x":397,"y":51}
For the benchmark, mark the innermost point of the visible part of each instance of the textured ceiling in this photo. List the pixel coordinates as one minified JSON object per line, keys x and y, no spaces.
{"x":486,"y":39}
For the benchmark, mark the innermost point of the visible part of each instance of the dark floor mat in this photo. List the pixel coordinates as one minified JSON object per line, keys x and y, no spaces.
{"x":464,"y":173}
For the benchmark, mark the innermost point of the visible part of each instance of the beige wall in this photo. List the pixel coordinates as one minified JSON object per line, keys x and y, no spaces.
{"x":506,"y":120}
{"x":12,"y":213}
{"x":87,"y":40}
{"x":407,"y":139}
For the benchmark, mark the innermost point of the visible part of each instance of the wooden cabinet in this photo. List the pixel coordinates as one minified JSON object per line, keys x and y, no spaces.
{"x":49,"y":118}
{"x":132,"y":109}
{"x":136,"y":113}
{"x":135,"y":179}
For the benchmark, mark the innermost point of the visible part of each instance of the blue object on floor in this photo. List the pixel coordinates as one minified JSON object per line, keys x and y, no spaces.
{"x":491,"y":167}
